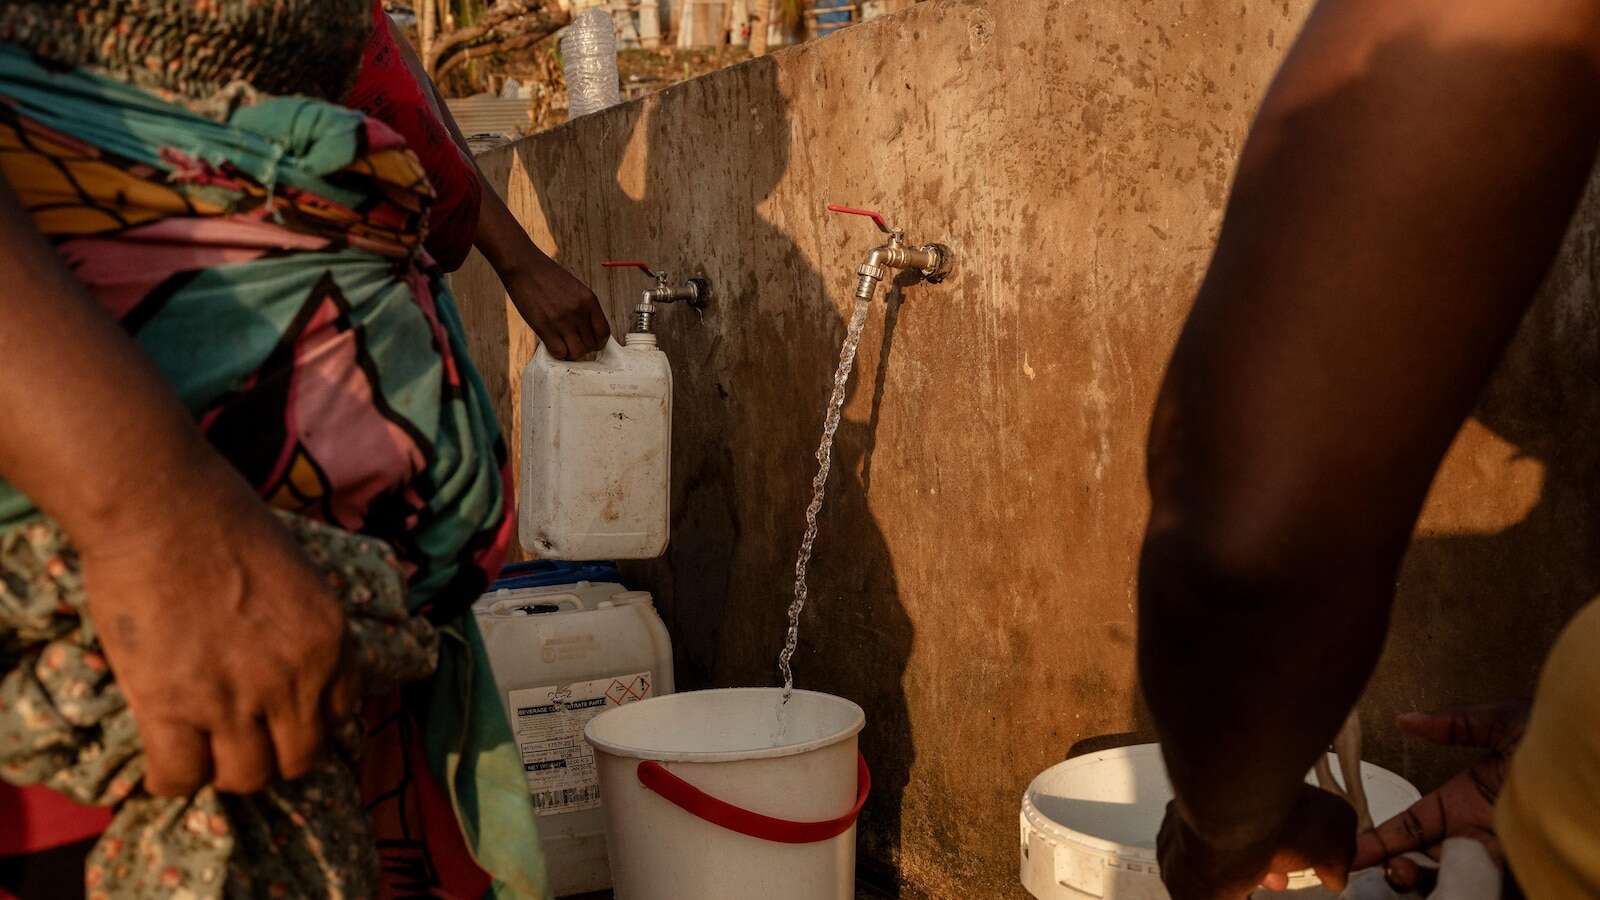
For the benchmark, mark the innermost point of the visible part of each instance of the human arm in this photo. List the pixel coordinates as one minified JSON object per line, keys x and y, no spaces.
{"x":561,"y":310}
{"x":1402,"y":193}
{"x":221,"y":635}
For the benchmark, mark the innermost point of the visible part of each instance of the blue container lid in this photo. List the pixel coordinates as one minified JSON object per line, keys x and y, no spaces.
{"x":547,"y":573}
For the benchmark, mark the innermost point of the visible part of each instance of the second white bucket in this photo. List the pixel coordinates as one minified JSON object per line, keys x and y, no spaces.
{"x":732,"y":795}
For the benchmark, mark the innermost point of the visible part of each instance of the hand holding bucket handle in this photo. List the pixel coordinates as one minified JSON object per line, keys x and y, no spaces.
{"x":698,"y":803}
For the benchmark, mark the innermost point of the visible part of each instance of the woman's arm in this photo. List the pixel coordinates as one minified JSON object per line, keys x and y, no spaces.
{"x":74,"y":383}
{"x":562,"y":310}
{"x":221,"y":635}
{"x":1402,"y":193}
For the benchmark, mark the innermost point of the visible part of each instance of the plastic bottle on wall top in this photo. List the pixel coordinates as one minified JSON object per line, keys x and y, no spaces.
{"x":589,"y":62}
{"x":597,"y":454}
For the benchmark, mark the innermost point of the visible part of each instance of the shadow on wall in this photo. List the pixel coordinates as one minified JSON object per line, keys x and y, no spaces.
{"x":747,"y":419}
{"x":1508,"y":587}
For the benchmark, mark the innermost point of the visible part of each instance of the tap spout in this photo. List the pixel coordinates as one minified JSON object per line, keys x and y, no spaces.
{"x":691,"y":292}
{"x":696,"y":292}
{"x":933,"y":261}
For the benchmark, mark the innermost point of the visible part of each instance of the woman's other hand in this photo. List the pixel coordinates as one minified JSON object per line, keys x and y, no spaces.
{"x":225,"y":640}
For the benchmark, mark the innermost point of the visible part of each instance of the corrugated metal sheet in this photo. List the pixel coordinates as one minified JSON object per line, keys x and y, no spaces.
{"x":489,"y":114}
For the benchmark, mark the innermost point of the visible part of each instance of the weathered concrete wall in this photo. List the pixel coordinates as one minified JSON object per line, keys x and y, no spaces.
{"x":974,"y":583}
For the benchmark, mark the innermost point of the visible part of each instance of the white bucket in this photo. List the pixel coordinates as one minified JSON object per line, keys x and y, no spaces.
{"x":729,"y":795}
{"x":1089,"y":824}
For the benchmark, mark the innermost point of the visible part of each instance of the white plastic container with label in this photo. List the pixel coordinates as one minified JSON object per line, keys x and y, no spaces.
{"x":597,"y":453}
{"x":561,"y":656}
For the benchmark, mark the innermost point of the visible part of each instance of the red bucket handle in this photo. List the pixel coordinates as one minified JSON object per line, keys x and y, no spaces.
{"x":698,"y":803}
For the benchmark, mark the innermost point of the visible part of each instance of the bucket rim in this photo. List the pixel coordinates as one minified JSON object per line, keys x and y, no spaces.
{"x":858,"y":722}
{"x":1057,"y":833}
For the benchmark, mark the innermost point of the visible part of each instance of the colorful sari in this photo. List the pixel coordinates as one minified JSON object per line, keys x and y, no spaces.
{"x":271,"y":265}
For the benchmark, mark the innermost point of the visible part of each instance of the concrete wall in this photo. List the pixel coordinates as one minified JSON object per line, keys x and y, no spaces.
{"x":973,"y":586}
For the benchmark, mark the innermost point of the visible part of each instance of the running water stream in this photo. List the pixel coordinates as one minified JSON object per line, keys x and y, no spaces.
{"x":819,"y":488}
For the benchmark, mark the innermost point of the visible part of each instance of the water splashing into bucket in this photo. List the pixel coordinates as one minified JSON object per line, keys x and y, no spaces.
{"x":819,"y":488}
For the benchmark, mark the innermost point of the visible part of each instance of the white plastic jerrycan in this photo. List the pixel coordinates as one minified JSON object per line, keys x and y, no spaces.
{"x":597,"y":453}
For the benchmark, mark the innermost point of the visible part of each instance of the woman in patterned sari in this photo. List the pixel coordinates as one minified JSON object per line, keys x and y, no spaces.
{"x":218,"y":295}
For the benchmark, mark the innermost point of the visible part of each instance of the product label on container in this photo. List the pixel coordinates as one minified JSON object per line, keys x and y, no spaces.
{"x":549,"y":724}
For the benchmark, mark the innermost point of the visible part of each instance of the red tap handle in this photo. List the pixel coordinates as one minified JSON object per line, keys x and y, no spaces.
{"x":877,"y":218}
{"x":629,"y":264}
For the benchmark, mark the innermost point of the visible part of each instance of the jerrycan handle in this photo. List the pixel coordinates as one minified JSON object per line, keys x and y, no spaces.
{"x":611,"y":356}
{"x":510,"y":608}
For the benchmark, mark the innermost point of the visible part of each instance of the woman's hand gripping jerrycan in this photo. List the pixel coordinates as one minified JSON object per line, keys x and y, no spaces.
{"x":597,"y":453}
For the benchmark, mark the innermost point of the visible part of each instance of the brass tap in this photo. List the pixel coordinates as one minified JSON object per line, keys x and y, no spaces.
{"x":695,"y":292}
{"x":933,"y":261}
